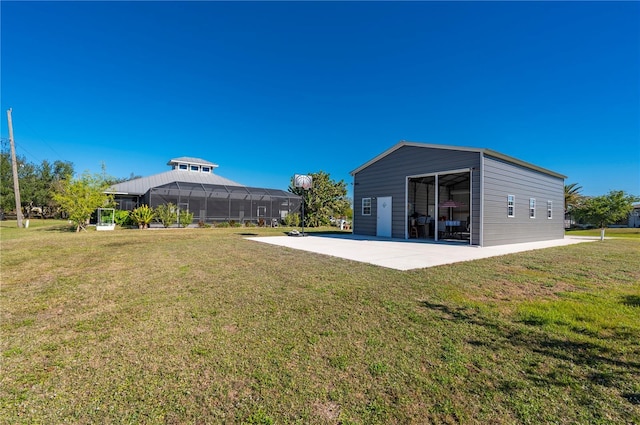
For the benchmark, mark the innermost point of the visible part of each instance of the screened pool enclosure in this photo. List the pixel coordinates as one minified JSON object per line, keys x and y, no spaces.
{"x":215,"y":203}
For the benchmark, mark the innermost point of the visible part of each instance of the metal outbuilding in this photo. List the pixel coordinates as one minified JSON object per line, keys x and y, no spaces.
{"x":469,"y":195}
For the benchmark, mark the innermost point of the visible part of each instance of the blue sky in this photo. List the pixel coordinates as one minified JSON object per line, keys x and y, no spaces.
{"x":270,"y":89}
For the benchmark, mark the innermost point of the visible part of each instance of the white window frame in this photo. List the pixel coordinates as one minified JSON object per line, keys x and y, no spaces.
{"x":532,"y":207}
{"x":183,"y":167}
{"x":549,"y":210}
{"x":206,"y":169}
{"x":511,"y":206}
{"x":194,"y":168}
{"x":365,"y":207}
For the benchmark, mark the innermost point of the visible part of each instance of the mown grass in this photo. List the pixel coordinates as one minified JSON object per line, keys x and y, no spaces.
{"x":203,"y":326}
{"x":615,"y":232}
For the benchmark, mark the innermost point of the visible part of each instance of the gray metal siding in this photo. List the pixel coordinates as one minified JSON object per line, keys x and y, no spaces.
{"x":387,"y":177}
{"x":501,"y":179}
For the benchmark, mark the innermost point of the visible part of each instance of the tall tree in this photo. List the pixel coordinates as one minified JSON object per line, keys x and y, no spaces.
{"x":572,"y":196}
{"x":7,"y":200}
{"x":326,"y":198}
{"x":606,"y":209}
{"x":29,"y":182}
{"x":62,"y":170}
{"x":80,"y":197}
{"x":116,"y":180}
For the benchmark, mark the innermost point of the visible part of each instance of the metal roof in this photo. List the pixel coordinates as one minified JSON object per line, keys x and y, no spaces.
{"x":482,"y":151}
{"x":191,"y":160}
{"x":142,"y":185}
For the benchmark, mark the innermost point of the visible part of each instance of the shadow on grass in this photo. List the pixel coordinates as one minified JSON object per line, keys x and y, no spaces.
{"x":64,"y":228}
{"x":633,"y":398}
{"x":631,"y":300}
{"x":38,"y":227}
{"x":585,"y":355}
{"x":313,"y":232}
{"x":332,"y":232}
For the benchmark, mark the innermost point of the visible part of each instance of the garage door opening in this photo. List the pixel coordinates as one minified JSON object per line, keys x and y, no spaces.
{"x":439,"y":207}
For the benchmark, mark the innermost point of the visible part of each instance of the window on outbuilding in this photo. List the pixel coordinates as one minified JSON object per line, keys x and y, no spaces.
{"x":195,"y":168}
{"x":511,"y":206}
{"x":532,"y":208}
{"x":182,"y":166}
{"x":366,"y":206}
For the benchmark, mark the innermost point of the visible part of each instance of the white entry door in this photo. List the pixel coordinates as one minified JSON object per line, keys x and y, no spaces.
{"x":384,"y":217}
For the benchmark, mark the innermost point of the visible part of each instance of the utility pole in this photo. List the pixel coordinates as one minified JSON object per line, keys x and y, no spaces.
{"x":14,"y":165}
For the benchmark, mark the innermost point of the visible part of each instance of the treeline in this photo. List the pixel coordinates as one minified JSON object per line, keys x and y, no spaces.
{"x":38,"y":183}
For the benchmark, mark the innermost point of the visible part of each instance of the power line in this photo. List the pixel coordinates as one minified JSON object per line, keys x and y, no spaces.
{"x":39,"y":137}
{"x":29,"y":154}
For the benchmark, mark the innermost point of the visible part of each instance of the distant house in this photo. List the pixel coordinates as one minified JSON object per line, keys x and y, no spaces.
{"x":472,"y":195}
{"x":192,"y":186}
{"x":634,"y":217}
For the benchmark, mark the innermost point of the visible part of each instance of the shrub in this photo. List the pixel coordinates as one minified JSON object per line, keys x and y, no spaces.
{"x":292,"y":220}
{"x":249,"y":223}
{"x":202,"y":224}
{"x":123,"y":218}
{"x":142,"y":216}
{"x":185,"y":218}
{"x":222,"y":224}
{"x":166,"y":214}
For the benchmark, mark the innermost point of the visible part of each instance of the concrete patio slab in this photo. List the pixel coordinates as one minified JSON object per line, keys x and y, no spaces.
{"x":402,"y":254}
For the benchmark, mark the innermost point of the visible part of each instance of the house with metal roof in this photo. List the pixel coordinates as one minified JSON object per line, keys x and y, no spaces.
{"x":192,"y":185}
{"x":634,"y":216}
{"x":469,"y":195}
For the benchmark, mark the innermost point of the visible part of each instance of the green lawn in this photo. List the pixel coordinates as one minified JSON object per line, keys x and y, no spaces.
{"x":622,"y":232}
{"x":190,"y":326}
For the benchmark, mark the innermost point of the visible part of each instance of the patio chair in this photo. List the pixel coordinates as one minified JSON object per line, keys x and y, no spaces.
{"x":413,"y":231}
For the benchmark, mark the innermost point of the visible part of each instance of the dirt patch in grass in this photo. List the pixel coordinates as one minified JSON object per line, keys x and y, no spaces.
{"x":327,"y":411}
{"x":524,"y":287}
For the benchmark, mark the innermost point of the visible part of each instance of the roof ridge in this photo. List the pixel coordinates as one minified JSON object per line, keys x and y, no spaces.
{"x":483,"y":151}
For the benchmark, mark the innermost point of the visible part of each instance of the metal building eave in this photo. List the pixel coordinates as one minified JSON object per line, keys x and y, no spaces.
{"x":481,"y":151}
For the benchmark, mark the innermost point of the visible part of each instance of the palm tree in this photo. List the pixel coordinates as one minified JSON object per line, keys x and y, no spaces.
{"x":571,"y":196}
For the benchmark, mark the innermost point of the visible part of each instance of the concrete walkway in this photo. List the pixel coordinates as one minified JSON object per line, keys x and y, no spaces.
{"x":402,"y":254}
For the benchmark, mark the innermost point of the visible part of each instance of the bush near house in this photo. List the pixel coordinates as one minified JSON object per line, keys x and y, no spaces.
{"x":292,"y":220}
{"x":166,"y":214}
{"x":142,"y":216}
{"x":123,"y":218}
{"x":185,"y":218}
